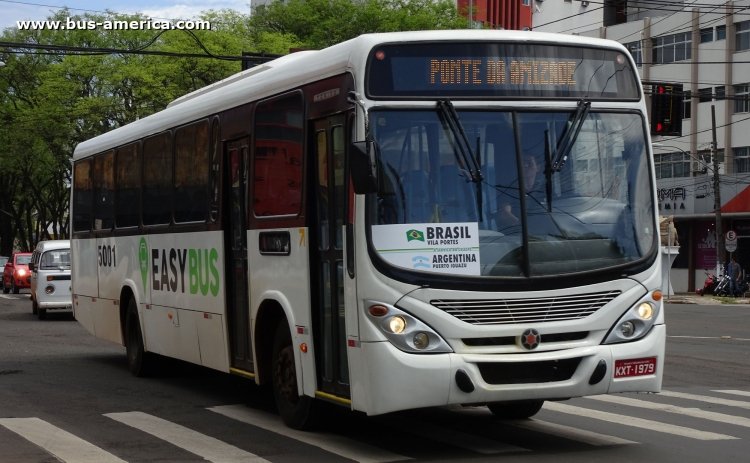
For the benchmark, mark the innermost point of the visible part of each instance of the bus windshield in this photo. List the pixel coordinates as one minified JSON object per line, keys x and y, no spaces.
{"x":511,"y":193}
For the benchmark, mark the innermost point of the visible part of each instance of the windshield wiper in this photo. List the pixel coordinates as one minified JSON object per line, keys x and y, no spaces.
{"x":467,"y":159}
{"x":464,"y":154}
{"x":570,"y":135}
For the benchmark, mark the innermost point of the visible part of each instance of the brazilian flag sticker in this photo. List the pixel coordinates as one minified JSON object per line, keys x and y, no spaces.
{"x":413,"y":234}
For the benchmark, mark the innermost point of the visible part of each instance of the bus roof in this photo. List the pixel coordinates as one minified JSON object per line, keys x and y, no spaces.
{"x":297,"y":69}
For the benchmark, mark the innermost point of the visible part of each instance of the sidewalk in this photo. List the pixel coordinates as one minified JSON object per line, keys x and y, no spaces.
{"x":687,"y":298}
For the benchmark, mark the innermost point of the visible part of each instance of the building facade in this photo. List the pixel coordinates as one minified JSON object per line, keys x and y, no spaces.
{"x":705,"y":48}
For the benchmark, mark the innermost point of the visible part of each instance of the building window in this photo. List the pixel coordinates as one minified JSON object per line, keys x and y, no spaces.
{"x":721,"y":32}
{"x":742,"y":36}
{"x":719,"y":93}
{"x":707,"y":35}
{"x":742,"y":159}
{"x":671,"y":48}
{"x":635,"y":51}
{"x":705,"y":94}
{"x":686,"y":105}
{"x":525,"y":2}
{"x":672,"y":165}
{"x":742,"y":98}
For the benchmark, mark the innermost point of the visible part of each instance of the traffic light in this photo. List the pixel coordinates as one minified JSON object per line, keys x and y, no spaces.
{"x":666,"y":109}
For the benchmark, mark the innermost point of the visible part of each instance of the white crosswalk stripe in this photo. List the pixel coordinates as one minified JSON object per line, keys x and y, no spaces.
{"x":708,"y":399}
{"x":62,"y":444}
{"x":205,"y":446}
{"x":694,"y":412}
{"x":636,"y":422}
{"x":733,"y":391}
{"x":571,"y":433}
{"x":341,"y":446}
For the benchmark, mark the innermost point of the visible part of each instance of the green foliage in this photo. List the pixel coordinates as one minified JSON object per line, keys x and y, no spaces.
{"x":320,"y":23}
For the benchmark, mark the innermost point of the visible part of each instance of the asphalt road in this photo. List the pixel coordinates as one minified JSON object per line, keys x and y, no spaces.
{"x":66,"y":396}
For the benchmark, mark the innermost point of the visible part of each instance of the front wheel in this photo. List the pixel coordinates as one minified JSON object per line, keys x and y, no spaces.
{"x":298,"y":412}
{"x":517,"y":410}
{"x":140,"y":362}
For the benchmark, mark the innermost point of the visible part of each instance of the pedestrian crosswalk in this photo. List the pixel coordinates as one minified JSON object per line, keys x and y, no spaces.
{"x":598,"y":421}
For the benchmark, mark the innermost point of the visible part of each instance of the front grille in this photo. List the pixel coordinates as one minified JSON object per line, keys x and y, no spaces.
{"x":511,"y":340}
{"x":528,"y":372}
{"x":531,"y":310}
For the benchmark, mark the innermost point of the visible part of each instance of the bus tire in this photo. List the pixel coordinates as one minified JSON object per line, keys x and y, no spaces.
{"x":140,"y":362}
{"x":517,"y":410}
{"x":34,"y":307}
{"x":13,"y":287}
{"x":297,"y":412}
{"x":41,"y":313}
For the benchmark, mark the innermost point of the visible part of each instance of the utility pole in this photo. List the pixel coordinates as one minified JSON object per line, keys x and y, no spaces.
{"x":717,"y":197}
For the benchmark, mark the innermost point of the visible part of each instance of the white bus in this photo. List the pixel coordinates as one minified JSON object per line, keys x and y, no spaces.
{"x":401,"y":220}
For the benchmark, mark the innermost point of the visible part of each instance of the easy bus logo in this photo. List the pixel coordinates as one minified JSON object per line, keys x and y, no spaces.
{"x":143,"y":259}
{"x":194,"y":271}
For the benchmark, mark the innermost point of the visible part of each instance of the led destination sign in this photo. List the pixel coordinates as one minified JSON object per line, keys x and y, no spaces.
{"x":499,"y":70}
{"x":446,"y":72}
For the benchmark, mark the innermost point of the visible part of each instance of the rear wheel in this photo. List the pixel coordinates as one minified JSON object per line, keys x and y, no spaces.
{"x":516,"y":410}
{"x":41,"y":313}
{"x":13,"y":286}
{"x":140,"y":362}
{"x":298,"y":412}
{"x":34,"y":306}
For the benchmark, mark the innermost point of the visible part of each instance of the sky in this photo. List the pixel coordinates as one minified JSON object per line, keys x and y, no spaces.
{"x":20,"y":10}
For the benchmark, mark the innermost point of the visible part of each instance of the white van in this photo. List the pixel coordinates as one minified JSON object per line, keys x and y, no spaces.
{"x":50,"y":277}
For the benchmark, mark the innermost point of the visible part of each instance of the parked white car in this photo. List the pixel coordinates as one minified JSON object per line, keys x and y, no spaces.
{"x":50,"y":277}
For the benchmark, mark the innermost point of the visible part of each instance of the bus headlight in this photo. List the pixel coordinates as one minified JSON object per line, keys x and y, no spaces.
{"x":636,"y":322}
{"x":397,"y":324}
{"x":404,"y":331}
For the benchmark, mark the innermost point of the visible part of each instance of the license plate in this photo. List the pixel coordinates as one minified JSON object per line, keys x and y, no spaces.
{"x":635,"y":367}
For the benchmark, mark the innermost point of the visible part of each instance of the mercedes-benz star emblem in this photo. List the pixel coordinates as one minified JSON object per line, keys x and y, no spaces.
{"x":530,"y":339}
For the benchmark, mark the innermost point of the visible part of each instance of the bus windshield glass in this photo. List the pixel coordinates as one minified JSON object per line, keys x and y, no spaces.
{"x":511,"y":193}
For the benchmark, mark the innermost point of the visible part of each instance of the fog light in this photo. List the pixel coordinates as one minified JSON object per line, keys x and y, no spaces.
{"x":645,"y":311}
{"x":627,"y":329}
{"x":397,"y":324}
{"x":49,"y":289}
{"x":421,"y":340}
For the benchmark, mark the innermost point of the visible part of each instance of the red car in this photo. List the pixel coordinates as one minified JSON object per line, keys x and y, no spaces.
{"x":16,"y":274}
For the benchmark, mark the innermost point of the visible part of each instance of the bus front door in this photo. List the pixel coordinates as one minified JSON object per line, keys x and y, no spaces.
{"x":235,"y":239}
{"x":329,"y":215}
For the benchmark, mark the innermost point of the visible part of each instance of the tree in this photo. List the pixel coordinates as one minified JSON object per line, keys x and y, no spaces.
{"x":320,"y":23}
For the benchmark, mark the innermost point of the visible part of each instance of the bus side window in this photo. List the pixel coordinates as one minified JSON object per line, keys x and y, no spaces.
{"x":157,"y":179}
{"x":277,"y":157}
{"x":104,"y":191}
{"x":83,"y":195}
{"x":191,"y":173}
{"x":128,"y":186}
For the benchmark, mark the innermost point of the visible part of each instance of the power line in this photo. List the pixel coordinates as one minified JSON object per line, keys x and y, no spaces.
{"x":71,"y":50}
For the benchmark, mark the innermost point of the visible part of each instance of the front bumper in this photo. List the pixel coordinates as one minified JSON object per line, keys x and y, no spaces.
{"x":441,"y":379}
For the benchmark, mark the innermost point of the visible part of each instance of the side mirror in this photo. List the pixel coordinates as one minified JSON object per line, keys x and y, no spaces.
{"x":363,"y":166}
